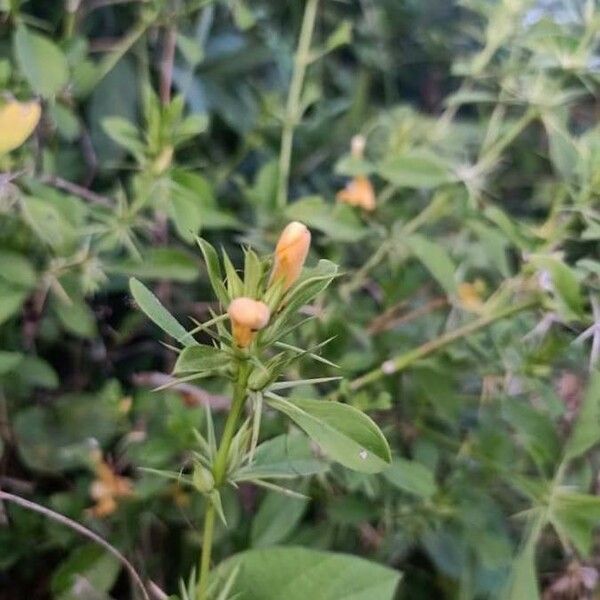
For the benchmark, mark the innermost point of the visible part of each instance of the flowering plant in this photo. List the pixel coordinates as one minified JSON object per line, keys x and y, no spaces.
{"x":254,"y":353}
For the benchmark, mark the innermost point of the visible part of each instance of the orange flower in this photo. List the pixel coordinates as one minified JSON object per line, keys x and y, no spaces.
{"x":358,"y":192}
{"x":470,"y":295}
{"x":106,"y":488}
{"x":290,"y":253}
{"x":247,"y":316}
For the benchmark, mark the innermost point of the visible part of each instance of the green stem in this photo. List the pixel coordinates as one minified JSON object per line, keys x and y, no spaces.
{"x":301,"y":60}
{"x":494,"y":151}
{"x":433,"y":211}
{"x":220,"y":471}
{"x":402,"y":361}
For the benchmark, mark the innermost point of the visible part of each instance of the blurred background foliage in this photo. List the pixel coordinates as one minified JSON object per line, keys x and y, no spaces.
{"x":467,"y":321}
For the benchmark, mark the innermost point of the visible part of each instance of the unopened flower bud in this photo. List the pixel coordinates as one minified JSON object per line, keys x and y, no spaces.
{"x":357,"y":146}
{"x":290,"y":253}
{"x":203,"y":479}
{"x":247,"y":316}
{"x":17,"y":122}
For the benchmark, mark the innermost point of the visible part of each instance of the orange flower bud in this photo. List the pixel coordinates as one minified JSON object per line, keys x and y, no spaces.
{"x":358,"y":192}
{"x":247,"y":316}
{"x":290,"y":253}
{"x":357,"y":146}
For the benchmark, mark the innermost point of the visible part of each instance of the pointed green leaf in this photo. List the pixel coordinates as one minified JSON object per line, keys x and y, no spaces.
{"x":156,"y":312}
{"x":586,"y":432}
{"x":211,"y":259}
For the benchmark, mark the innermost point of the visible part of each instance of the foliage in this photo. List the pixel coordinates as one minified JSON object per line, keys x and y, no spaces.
{"x":464,"y":320}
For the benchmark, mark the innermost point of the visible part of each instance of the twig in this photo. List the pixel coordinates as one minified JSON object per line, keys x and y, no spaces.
{"x":80,"y":529}
{"x":292,"y":116}
{"x":77,"y":190}
{"x":402,"y":361}
{"x":197,"y":395}
{"x":166,"y":65}
{"x":389,"y":320}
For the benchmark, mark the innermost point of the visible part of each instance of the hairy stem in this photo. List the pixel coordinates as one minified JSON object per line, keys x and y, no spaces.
{"x":301,"y":60}
{"x":402,"y":361}
{"x":220,"y":471}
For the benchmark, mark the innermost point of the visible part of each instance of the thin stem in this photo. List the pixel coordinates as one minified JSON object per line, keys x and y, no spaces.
{"x":301,"y":60}
{"x":402,"y":361}
{"x":431,"y":212}
{"x":207,"y":540}
{"x":220,"y":470}
{"x":50,"y":514}
{"x":494,"y":151}
{"x":166,"y":65}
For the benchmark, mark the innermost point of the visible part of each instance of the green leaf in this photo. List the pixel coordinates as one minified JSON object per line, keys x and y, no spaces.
{"x":339,"y":222}
{"x":186,"y":214}
{"x":276,"y":519}
{"x":90,"y":564}
{"x":156,"y":312}
{"x":575,"y":517}
{"x":534,"y":430}
{"x":11,"y":300}
{"x":211,"y":259}
{"x":523,"y":581}
{"x":159,"y":263}
{"x":299,"y":573}
{"x":36,"y":372}
{"x":345,"y":434}
{"x":15,"y":269}
{"x":76,"y":317}
{"x":286,"y":456}
{"x":412,"y":477}
{"x":47,"y":221}
{"x":565,"y":285}
{"x":60,"y":436}
{"x":42,"y":62}
{"x":436,"y":260}
{"x":586,"y":431}
{"x":124,"y":133}
{"x":9,"y":361}
{"x":416,"y":169}
{"x":200,"y":358}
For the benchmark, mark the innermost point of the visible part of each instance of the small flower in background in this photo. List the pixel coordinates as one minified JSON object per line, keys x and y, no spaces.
{"x":359,"y":190}
{"x":247,"y":316}
{"x":470,"y":295}
{"x":290,"y":253}
{"x":17,"y":122}
{"x":107,"y":488}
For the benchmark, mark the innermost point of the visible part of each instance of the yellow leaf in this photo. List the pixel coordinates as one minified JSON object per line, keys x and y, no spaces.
{"x":17,"y":122}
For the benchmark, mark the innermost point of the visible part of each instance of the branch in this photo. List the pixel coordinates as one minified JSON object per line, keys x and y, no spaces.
{"x":79,"y":529}
{"x":402,"y":361}
{"x":77,"y":190}
{"x":196,"y":395}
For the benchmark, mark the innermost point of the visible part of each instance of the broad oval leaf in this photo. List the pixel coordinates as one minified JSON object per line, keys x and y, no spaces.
{"x":298,"y":573}
{"x":416,"y":169}
{"x":345,"y":434}
{"x":41,"y":61}
{"x":412,"y":477}
{"x":200,"y":358}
